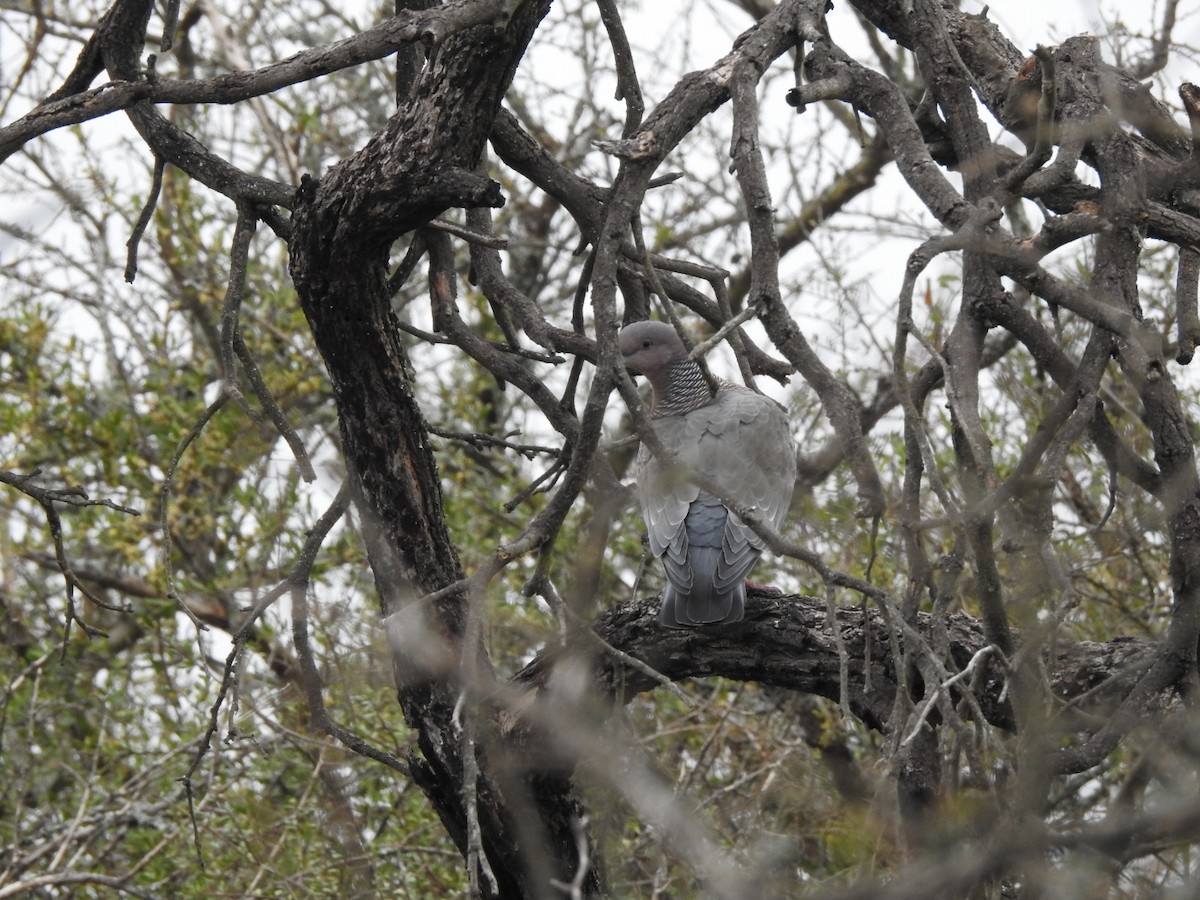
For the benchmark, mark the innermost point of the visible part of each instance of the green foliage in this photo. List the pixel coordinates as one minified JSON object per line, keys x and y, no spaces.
{"x":100,"y":384}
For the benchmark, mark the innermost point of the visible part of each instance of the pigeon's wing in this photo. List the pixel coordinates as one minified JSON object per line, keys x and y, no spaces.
{"x":747,"y":449}
{"x":665,"y":493}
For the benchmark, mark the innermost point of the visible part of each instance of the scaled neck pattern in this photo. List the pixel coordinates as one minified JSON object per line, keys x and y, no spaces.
{"x":683,"y":391}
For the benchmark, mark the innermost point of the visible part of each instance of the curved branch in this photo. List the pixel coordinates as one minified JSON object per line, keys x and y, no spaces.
{"x":788,"y":642}
{"x":72,"y":105}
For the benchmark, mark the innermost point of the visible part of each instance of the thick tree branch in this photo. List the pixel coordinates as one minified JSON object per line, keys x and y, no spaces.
{"x":787,"y":642}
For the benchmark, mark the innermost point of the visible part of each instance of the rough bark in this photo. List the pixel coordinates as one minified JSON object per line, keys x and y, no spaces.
{"x":788,"y":642}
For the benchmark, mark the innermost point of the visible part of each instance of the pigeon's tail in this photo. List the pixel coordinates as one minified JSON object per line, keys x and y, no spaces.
{"x":704,"y":588}
{"x":702,"y":604}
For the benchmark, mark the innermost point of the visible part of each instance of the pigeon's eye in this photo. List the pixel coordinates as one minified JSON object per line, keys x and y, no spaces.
{"x":647,"y":344}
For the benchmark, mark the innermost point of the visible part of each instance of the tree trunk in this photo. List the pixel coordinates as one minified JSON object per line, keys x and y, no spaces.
{"x":424,"y":161}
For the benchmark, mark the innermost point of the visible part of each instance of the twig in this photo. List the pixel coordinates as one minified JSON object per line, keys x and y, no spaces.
{"x":259,"y":385}
{"x":478,"y":865}
{"x":164,"y":498}
{"x":1160,"y":48}
{"x":628,"y":88}
{"x":239,"y":259}
{"x":143,"y":219}
{"x":701,"y":349}
{"x":843,"y":656}
{"x":471,"y":237}
{"x":479,"y":440}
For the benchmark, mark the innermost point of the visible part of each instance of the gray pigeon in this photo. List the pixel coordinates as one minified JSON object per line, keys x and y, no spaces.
{"x":737,"y":438}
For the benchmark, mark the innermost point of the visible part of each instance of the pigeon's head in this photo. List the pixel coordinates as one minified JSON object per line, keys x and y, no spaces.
{"x":648,"y":347}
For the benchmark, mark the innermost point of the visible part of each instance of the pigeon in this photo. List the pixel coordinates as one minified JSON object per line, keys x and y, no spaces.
{"x":734,"y":436}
